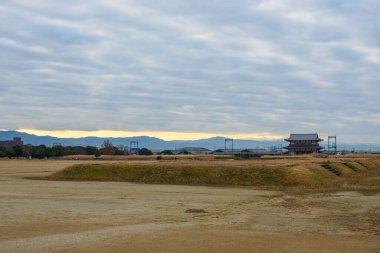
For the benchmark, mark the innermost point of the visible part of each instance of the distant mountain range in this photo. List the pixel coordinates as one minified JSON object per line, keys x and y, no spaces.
{"x":159,"y":144}
{"x":144,"y":141}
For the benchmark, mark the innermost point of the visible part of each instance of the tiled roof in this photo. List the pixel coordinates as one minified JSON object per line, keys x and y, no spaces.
{"x":303,"y":137}
{"x":194,"y":149}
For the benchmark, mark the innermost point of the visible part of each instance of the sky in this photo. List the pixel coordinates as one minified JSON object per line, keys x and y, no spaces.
{"x":190,"y":69}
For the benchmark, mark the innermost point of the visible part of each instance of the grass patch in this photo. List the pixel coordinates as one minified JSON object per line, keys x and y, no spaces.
{"x":176,"y":174}
{"x":359,"y":166}
{"x":346,"y":171}
{"x":301,"y":174}
{"x":368,"y":181}
{"x":369,"y":164}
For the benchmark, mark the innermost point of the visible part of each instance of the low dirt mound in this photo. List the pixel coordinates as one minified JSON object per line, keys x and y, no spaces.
{"x":205,"y":173}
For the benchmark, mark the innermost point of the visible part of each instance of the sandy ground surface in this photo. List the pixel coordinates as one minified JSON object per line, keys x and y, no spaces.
{"x":50,"y":216}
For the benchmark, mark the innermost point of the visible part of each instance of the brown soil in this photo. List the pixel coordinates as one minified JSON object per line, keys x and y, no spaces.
{"x":61,"y":216}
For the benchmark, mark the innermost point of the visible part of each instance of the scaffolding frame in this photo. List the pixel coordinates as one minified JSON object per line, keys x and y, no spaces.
{"x":229,"y":143}
{"x":331,"y":144}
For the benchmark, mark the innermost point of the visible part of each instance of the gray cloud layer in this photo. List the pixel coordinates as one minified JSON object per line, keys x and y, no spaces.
{"x":204,"y":66}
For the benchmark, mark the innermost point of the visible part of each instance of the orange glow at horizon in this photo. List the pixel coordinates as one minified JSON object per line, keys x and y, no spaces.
{"x":165,"y":135}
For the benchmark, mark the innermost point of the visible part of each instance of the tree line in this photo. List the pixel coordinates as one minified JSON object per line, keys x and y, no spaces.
{"x":43,"y":151}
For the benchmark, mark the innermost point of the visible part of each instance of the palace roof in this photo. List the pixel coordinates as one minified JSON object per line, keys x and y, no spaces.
{"x":304,"y":137}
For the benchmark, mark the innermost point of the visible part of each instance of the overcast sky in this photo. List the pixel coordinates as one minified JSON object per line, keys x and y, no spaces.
{"x":243,"y":67}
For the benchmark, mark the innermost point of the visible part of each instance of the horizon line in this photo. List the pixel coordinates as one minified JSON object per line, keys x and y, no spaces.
{"x":164,"y":135}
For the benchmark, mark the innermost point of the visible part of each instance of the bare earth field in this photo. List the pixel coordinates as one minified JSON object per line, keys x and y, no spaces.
{"x":75,"y":216}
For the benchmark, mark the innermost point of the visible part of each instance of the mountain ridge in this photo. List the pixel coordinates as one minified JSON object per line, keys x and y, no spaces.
{"x":150,"y":142}
{"x":212,"y":143}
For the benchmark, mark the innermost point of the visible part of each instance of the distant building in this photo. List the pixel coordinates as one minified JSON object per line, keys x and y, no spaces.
{"x":255,"y":151}
{"x":300,"y":144}
{"x":241,"y":152}
{"x":15,"y":142}
{"x":226,"y":152}
{"x":191,"y":151}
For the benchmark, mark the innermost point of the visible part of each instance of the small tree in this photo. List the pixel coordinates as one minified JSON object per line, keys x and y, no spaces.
{"x":78,"y":150}
{"x":166,"y":152}
{"x":122,"y":150}
{"x":9,"y":152}
{"x":27,"y":150}
{"x":4,"y":152}
{"x":90,"y":150}
{"x":39,"y":151}
{"x":58,"y":151}
{"x":145,"y":151}
{"x":97,"y":153}
{"x":17,"y":151}
{"x":107,"y":148}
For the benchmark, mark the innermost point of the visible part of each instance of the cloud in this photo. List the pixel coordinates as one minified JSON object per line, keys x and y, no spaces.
{"x":166,"y":135}
{"x":221,"y":67}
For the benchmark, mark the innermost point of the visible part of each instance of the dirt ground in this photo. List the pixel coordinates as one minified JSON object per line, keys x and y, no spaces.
{"x":57,"y":216}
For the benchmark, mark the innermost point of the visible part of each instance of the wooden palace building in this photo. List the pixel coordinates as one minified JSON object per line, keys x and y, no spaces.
{"x":303,"y":144}
{"x":11,"y":143}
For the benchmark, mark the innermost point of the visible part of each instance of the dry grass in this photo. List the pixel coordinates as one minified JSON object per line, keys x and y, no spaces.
{"x":195,"y":210}
{"x":302,"y":173}
{"x":146,"y":157}
{"x":178,"y":173}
